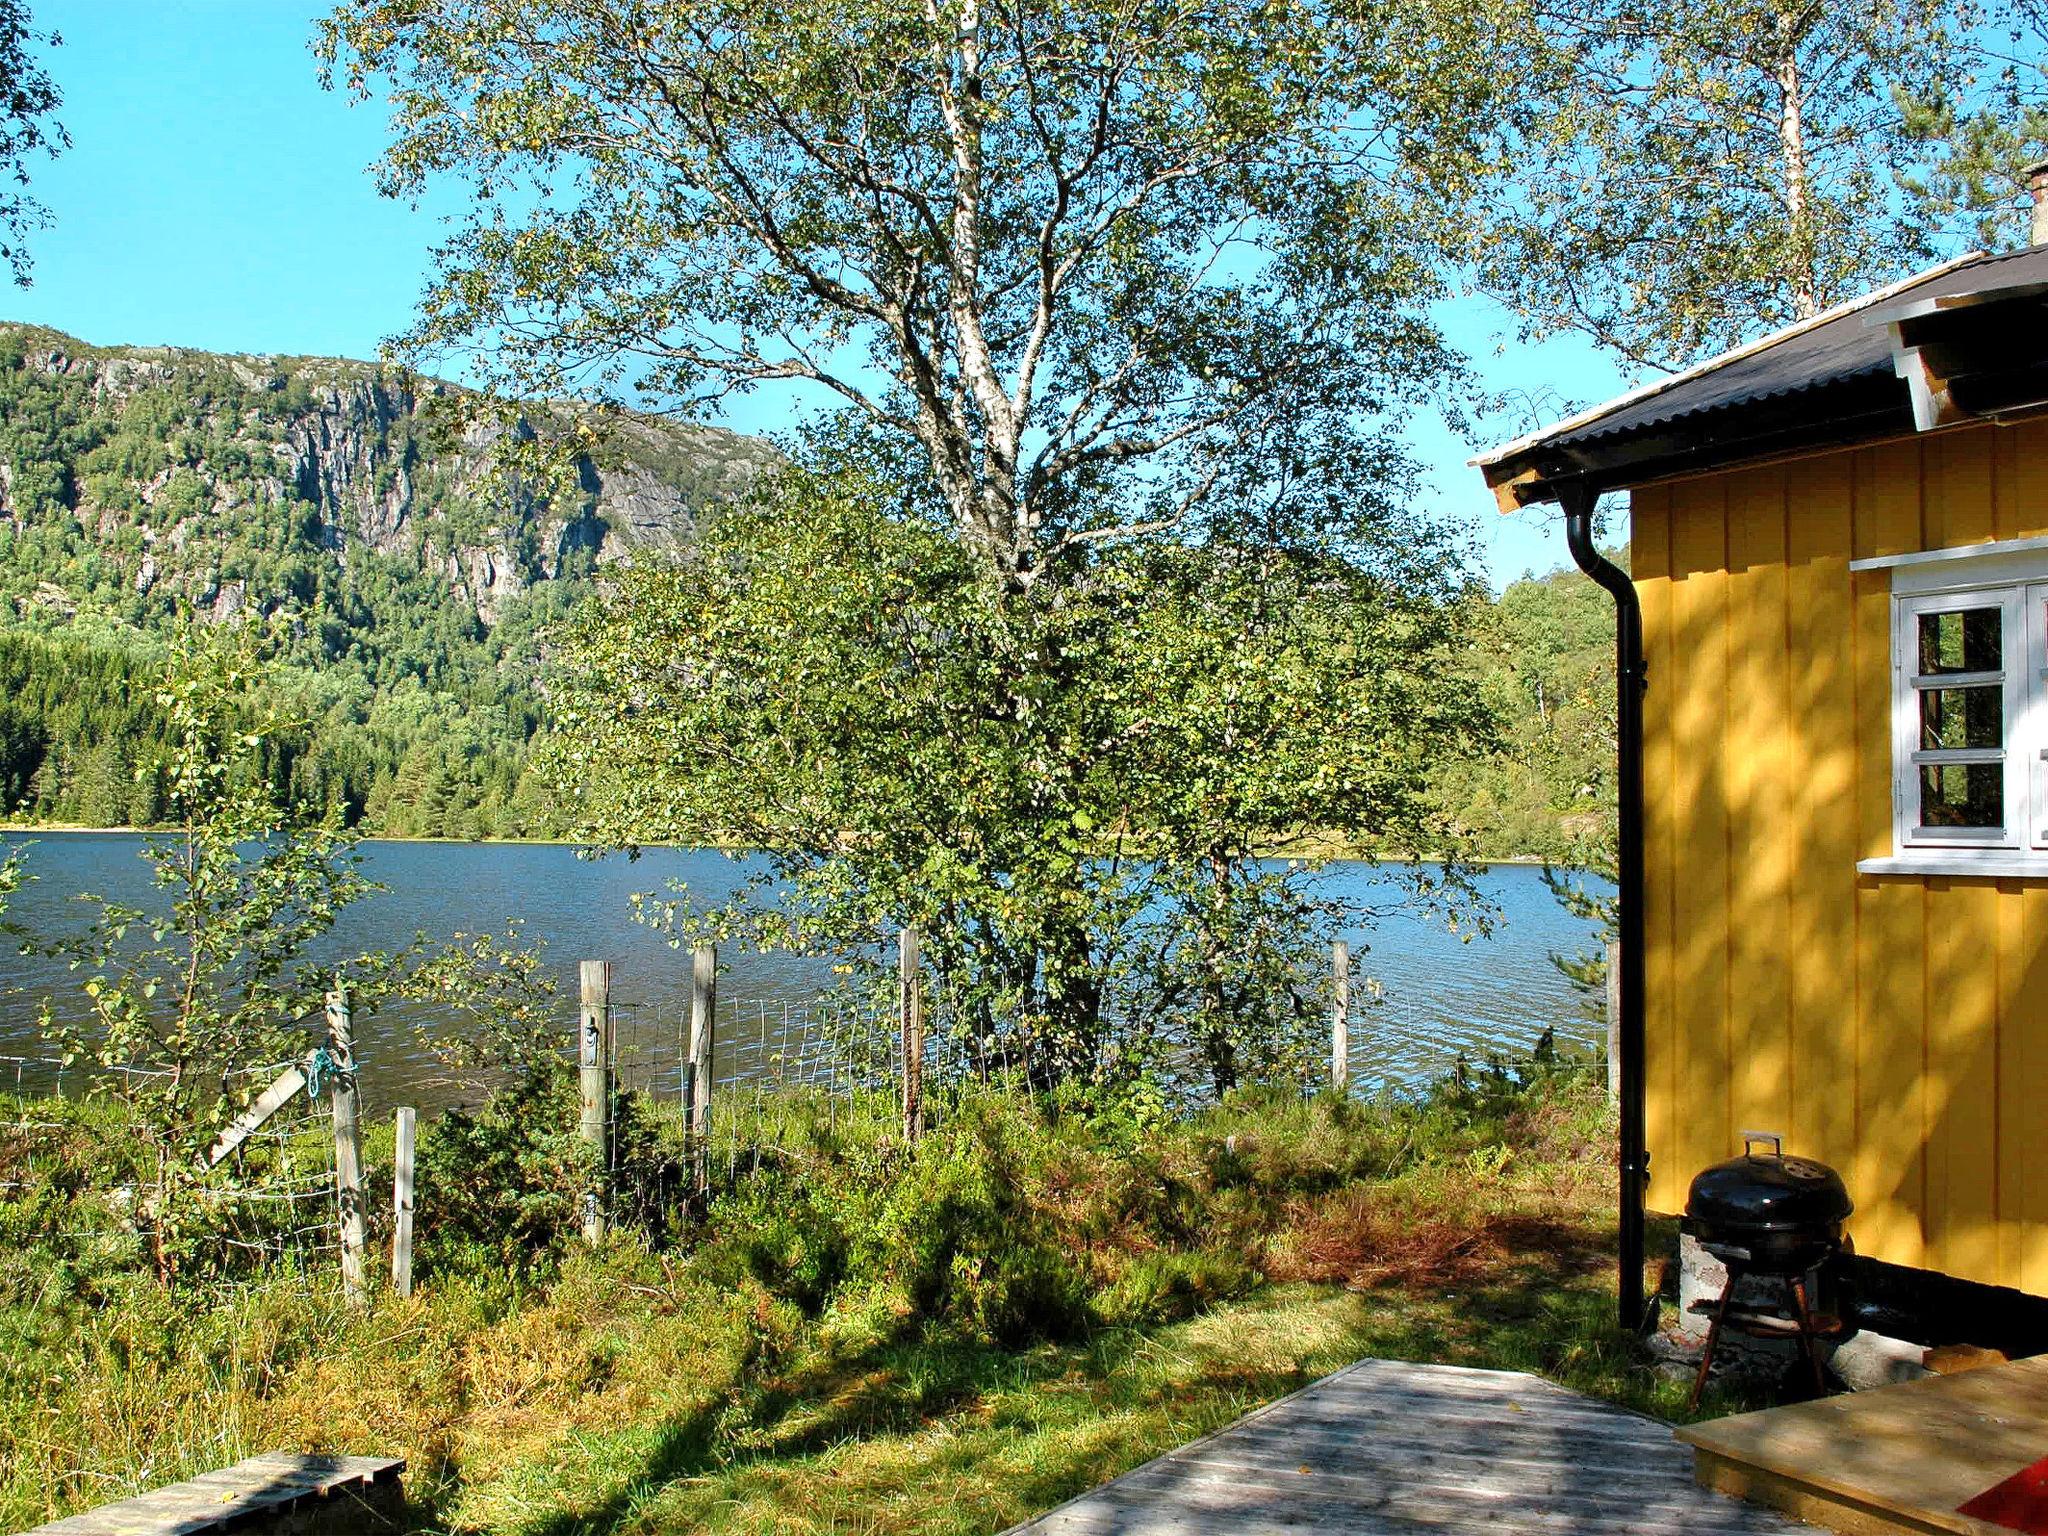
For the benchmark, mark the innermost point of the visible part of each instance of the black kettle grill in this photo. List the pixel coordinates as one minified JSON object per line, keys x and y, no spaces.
{"x":1774,"y":1216}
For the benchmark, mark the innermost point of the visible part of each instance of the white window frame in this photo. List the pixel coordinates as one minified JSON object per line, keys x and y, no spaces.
{"x":1908,"y":689}
{"x":2034,"y":731}
{"x":2012,"y":576}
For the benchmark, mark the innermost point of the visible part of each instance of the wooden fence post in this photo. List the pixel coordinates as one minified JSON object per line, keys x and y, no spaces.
{"x":703,"y":1028}
{"x":348,"y":1144}
{"x":401,"y":1200}
{"x":1340,"y":1017}
{"x":1614,"y":1018}
{"x":910,"y":1021}
{"x":594,"y":1077}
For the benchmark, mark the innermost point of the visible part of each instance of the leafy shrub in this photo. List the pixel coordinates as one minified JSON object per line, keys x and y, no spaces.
{"x":942,"y":1235}
{"x":1167,"y":1287}
{"x":503,"y":1184}
{"x":956,"y":1235}
{"x":787,"y":1226}
{"x":506,"y":1185}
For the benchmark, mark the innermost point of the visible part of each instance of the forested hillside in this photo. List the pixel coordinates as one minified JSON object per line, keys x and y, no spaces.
{"x":1549,"y":673}
{"x":140,"y":487}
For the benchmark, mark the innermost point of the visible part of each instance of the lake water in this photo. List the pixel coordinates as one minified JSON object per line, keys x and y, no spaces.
{"x":1442,"y":995}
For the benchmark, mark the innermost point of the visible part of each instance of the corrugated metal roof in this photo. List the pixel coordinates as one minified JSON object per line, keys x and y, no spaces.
{"x":1843,"y":343}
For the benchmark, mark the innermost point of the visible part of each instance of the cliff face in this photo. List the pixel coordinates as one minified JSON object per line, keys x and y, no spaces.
{"x":177,"y":477}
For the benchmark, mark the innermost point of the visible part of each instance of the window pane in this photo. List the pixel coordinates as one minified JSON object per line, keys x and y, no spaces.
{"x":1962,"y":795}
{"x":1962,"y":717}
{"x":1967,"y":640}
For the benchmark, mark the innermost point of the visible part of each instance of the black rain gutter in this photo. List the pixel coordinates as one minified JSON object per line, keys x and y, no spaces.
{"x":1631,"y":678}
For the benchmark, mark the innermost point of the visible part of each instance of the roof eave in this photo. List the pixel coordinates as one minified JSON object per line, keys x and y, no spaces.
{"x":1856,"y":409}
{"x":1511,"y":469}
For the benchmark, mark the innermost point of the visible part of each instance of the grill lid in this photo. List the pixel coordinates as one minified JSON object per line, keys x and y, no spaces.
{"x":1768,"y":1192}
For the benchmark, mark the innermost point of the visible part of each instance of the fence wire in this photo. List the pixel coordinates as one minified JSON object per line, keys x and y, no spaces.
{"x":773,"y":1058}
{"x":75,"y":1177}
{"x":90,"y":1180}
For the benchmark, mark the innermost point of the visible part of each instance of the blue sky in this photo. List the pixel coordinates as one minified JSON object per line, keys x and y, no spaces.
{"x":216,"y":197}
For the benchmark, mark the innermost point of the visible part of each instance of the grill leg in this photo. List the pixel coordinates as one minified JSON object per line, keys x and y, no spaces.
{"x":1699,"y":1380}
{"x":1805,"y":1315}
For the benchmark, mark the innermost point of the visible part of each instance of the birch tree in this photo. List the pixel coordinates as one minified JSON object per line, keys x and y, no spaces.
{"x":1076,"y":252}
{"x":1719,"y":168}
{"x":28,"y":130}
{"x":1083,"y":280}
{"x":1114,"y":874}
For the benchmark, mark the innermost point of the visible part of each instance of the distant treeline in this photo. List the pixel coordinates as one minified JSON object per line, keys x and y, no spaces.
{"x":442,"y":750}
{"x":82,"y":741}
{"x":1548,"y":668}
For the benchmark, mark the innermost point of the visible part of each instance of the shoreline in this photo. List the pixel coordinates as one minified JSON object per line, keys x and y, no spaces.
{"x":32,"y":830}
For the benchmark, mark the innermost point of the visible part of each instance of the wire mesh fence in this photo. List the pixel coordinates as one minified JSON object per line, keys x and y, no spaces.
{"x":74,"y":1170}
{"x":97,"y":1182}
{"x":773,"y":1055}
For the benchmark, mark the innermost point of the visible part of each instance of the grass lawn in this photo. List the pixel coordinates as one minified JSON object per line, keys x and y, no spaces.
{"x":948,"y":1341}
{"x":915,"y":1440}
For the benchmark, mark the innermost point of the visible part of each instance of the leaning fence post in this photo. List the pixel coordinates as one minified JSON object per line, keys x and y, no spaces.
{"x":348,"y":1146}
{"x":1614,"y":1018}
{"x":401,"y":1200}
{"x":594,"y":1077}
{"x":1340,"y":1017}
{"x":910,"y":1019}
{"x":703,"y":1026}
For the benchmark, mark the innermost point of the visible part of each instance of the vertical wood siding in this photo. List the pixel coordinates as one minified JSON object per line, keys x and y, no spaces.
{"x":1896,"y":1027}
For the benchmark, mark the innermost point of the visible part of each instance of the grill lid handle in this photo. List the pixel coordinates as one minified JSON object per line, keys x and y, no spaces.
{"x":1750,"y":1138}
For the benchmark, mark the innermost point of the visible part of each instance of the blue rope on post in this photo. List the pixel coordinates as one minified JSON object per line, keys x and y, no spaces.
{"x":323,"y":1071}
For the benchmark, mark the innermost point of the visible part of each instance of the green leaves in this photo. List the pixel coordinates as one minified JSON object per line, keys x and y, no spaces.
{"x":27,"y":130}
{"x":1059,"y":787}
{"x":193,"y":1009}
{"x":1069,"y":254}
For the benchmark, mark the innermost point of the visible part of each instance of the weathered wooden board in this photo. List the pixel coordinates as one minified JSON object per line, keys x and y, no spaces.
{"x":1390,"y":1447}
{"x":277,"y":1490}
{"x":251,"y":1120}
{"x":1912,"y":1453}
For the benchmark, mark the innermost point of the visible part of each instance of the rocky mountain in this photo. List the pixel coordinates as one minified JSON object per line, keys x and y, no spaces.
{"x":142,"y":488}
{"x":164,"y":468}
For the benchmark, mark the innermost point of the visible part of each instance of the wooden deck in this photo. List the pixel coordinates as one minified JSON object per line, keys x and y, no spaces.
{"x":1385,"y":1447}
{"x":1904,"y":1458}
{"x":278,"y":1492}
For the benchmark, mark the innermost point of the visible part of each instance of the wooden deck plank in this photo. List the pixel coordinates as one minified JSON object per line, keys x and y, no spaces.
{"x":1417,"y":1488}
{"x":1228,"y":1504}
{"x":1220,"y":1510}
{"x":1915,"y":1452}
{"x":1395,"y":1400}
{"x":1390,"y":1447}
{"x":273,"y":1483}
{"x":1499,"y":1450}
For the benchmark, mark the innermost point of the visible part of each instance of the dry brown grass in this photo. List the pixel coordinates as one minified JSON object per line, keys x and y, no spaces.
{"x":1362,"y":1239}
{"x":1540,"y":1201}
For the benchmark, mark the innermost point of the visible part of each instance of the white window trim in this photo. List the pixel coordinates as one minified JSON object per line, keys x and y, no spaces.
{"x":2012,"y":576}
{"x":1944,"y":556}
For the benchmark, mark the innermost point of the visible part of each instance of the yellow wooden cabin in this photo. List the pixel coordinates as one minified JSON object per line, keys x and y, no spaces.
{"x":1839,"y":549}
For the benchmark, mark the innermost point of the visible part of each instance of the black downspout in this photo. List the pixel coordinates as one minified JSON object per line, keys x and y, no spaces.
{"x":1630,"y":681}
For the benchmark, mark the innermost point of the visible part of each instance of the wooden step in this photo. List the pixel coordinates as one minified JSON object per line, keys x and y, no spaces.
{"x":281,"y":1490}
{"x":1900,"y":1458}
